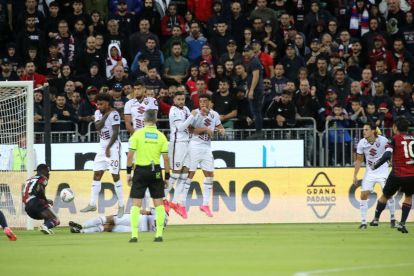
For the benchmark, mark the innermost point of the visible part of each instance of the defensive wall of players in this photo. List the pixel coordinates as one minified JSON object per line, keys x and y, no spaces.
{"x":289,"y":195}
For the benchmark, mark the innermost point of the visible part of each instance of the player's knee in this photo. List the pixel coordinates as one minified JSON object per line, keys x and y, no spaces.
{"x":115,"y":177}
{"x":56,"y":221}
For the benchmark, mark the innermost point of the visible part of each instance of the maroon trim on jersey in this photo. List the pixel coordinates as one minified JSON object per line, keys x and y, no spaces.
{"x":402,"y":165}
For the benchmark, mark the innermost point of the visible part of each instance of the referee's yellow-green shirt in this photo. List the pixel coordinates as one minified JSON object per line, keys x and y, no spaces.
{"x":149,"y":143}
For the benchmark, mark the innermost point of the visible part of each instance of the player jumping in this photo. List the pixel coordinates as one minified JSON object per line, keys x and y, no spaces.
{"x":372,"y":146}
{"x":107,"y":122}
{"x":401,"y":148}
{"x":37,"y":206}
{"x":180,"y":119}
{"x":204,"y":123}
{"x":3,"y":223}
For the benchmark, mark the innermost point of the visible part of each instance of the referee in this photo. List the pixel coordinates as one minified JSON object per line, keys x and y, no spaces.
{"x":150,"y":144}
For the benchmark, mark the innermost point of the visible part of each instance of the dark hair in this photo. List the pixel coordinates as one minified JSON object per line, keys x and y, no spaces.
{"x":61,"y":95}
{"x":53,"y":4}
{"x":179,"y":93}
{"x":175,"y":44}
{"x":103,"y":97}
{"x":139,"y":83}
{"x":205,"y":96}
{"x":42,"y":169}
{"x":224,"y":80}
{"x":402,"y":124}
{"x":371,"y":125}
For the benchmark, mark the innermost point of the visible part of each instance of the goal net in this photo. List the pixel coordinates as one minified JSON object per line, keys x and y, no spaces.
{"x":16,"y":149}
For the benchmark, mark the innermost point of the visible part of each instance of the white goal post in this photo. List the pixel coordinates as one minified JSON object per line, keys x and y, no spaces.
{"x":16,"y":123}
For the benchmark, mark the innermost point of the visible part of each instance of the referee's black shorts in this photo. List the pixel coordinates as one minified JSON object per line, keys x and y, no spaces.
{"x":397,"y":183}
{"x":147,"y":177}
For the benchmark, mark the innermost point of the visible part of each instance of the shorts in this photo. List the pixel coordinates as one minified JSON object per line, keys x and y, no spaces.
{"x":103,"y":163}
{"x":178,"y":155}
{"x":202,"y":157}
{"x":35,"y":207}
{"x":369,"y":181}
{"x":397,"y":183}
{"x":144,"y":177}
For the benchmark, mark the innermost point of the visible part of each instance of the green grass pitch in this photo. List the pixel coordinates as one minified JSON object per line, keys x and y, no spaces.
{"x":259,"y":249}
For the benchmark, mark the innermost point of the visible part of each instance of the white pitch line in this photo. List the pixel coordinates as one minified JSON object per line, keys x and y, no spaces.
{"x":343,"y":269}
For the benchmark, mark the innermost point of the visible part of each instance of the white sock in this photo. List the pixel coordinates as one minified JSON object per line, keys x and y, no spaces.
{"x":179,"y":187}
{"x":391,"y":206}
{"x":121,"y":228}
{"x":119,"y":193}
{"x":96,"y":188}
{"x":184,"y":194}
{"x":363,"y":206}
{"x":171,"y":182}
{"x":208,"y":185}
{"x":94,"y":222}
{"x":94,"y":229}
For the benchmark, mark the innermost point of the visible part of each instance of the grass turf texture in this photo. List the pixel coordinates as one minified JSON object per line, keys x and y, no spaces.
{"x":269,"y":249}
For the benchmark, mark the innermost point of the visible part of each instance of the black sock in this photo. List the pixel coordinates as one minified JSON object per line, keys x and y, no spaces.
{"x":3,"y":221}
{"x":379,"y":209}
{"x":405,"y":210}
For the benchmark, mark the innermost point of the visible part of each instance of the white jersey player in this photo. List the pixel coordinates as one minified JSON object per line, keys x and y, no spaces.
{"x":372,"y":146}
{"x":134,"y":115}
{"x":115,"y":224}
{"x":180,"y":119}
{"x":204,"y":123}
{"x":135,"y":108}
{"x":107,"y":123}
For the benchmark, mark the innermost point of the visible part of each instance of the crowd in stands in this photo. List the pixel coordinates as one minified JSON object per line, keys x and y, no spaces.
{"x":344,"y":62}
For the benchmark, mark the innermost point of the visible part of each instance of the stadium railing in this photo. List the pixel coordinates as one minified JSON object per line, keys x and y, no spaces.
{"x":70,"y":135}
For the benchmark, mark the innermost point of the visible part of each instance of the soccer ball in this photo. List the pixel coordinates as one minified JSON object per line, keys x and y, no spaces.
{"x":67,"y":195}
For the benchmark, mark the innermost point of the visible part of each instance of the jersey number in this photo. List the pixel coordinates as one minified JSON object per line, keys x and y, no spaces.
{"x":408,"y":149}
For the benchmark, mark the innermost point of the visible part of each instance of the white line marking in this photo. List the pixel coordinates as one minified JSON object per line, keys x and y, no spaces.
{"x":342,"y":269}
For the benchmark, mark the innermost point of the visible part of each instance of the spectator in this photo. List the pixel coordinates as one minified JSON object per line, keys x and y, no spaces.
{"x":175,"y":38}
{"x":80,"y":34}
{"x":30,"y":11}
{"x":118,"y":76}
{"x":118,"y":100}
{"x":407,"y":32}
{"x":268,"y":95}
{"x":30,"y":36}
{"x":282,"y":111}
{"x":138,"y":40}
{"x":219,"y":38}
{"x":88,"y":56}
{"x":192,"y":80}
{"x":114,"y":58}
{"x":7,"y":74}
{"x":201,"y":89}
{"x":315,"y":16}
{"x":142,"y":70}
{"x":195,"y":41}
{"x":170,"y":20}
{"x":381,"y":95}
{"x":54,"y":71}
{"x":264,"y":13}
{"x":79,"y":13}
{"x":367,"y":85}
{"x":52,"y":21}
{"x":321,"y":78}
{"x":97,"y":23}
{"x":379,"y":52}
{"x":238,"y":22}
{"x":125,"y":19}
{"x":153,"y":17}
{"x":155,"y":56}
{"x":385,"y":116}
{"x":342,"y":84}
{"x":61,"y":113}
{"x":93,"y":77}
{"x":372,"y":114}
{"x":382,"y":74}
{"x":225,"y":104}
{"x":368,"y":39}
{"x":279,"y":80}
{"x":75,"y":102}
{"x":152,"y":81}
{"x":357,"y":117}
{"x":14,"y":59}
{"x":30,"y":74}
{"x":202,"y":10}
{"x":245,"y":117}
{"x":399,"y":110}
{"x":406,"y":75}
{"x":100,"y":6}
{"x":176,"y":67}
{"x":400,"y":55}
{"x":231,"y":53}
{"x":65,"y":42}
{"x":291,"y":62}
{"x":265,"y":59}
{"x":38,"y":106}
{"x":87,"y":109}
{"x":339,"y":137}
{"x":302,"y":49}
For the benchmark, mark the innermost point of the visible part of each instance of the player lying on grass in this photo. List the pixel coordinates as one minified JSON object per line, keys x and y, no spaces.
{"x":147,"y":223}
{"x":3,"y":223}
{"x":37,"y":206}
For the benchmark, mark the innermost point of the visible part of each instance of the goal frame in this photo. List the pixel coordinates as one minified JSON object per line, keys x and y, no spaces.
{"x":29,"y":129}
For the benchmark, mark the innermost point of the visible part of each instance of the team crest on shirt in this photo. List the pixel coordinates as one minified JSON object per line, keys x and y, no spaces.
{"x":377,"y":144}
{"x":146,"y":102}
{"x":177,"y":164}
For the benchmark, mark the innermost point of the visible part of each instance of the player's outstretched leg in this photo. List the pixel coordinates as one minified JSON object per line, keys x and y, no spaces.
{"x":95,"y":190}
{"x":175,"y":203}
{"x":9,"y":233}
{"x":75,"y":227}
{"x":405,"y":211}
{"x":120,"y":195}
{"x":363,"y":207}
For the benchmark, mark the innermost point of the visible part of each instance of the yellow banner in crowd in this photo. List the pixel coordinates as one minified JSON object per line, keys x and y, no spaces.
{"x":294,"y":195}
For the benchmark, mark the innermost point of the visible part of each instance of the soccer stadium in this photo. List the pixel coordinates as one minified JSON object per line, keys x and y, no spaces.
{"x":206,"y":137}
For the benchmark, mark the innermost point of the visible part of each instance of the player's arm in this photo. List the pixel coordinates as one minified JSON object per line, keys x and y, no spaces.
{"x":128,"y":123}
{"x":114,"y":137}
{"x":358,"y":161}
{"x":255,"y":81}
{"x":220,"y":129}
{"x":181,"y":126}
{"x":164,"y":152}
{"x":384,"y":158}
{"x":130,"y":158}
{"x":100,"y":124}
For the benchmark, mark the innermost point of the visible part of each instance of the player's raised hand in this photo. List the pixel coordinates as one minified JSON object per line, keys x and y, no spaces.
{"x":210,"y":132}
{"x":194,"y":112}
{"x":221,"y":131}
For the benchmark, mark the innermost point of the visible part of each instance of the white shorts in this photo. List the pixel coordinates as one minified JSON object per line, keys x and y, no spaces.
{"x":178,"y":155}
{"x":369,"y":181}
{"x":103,"y":163}
{"x":202,"y":157}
